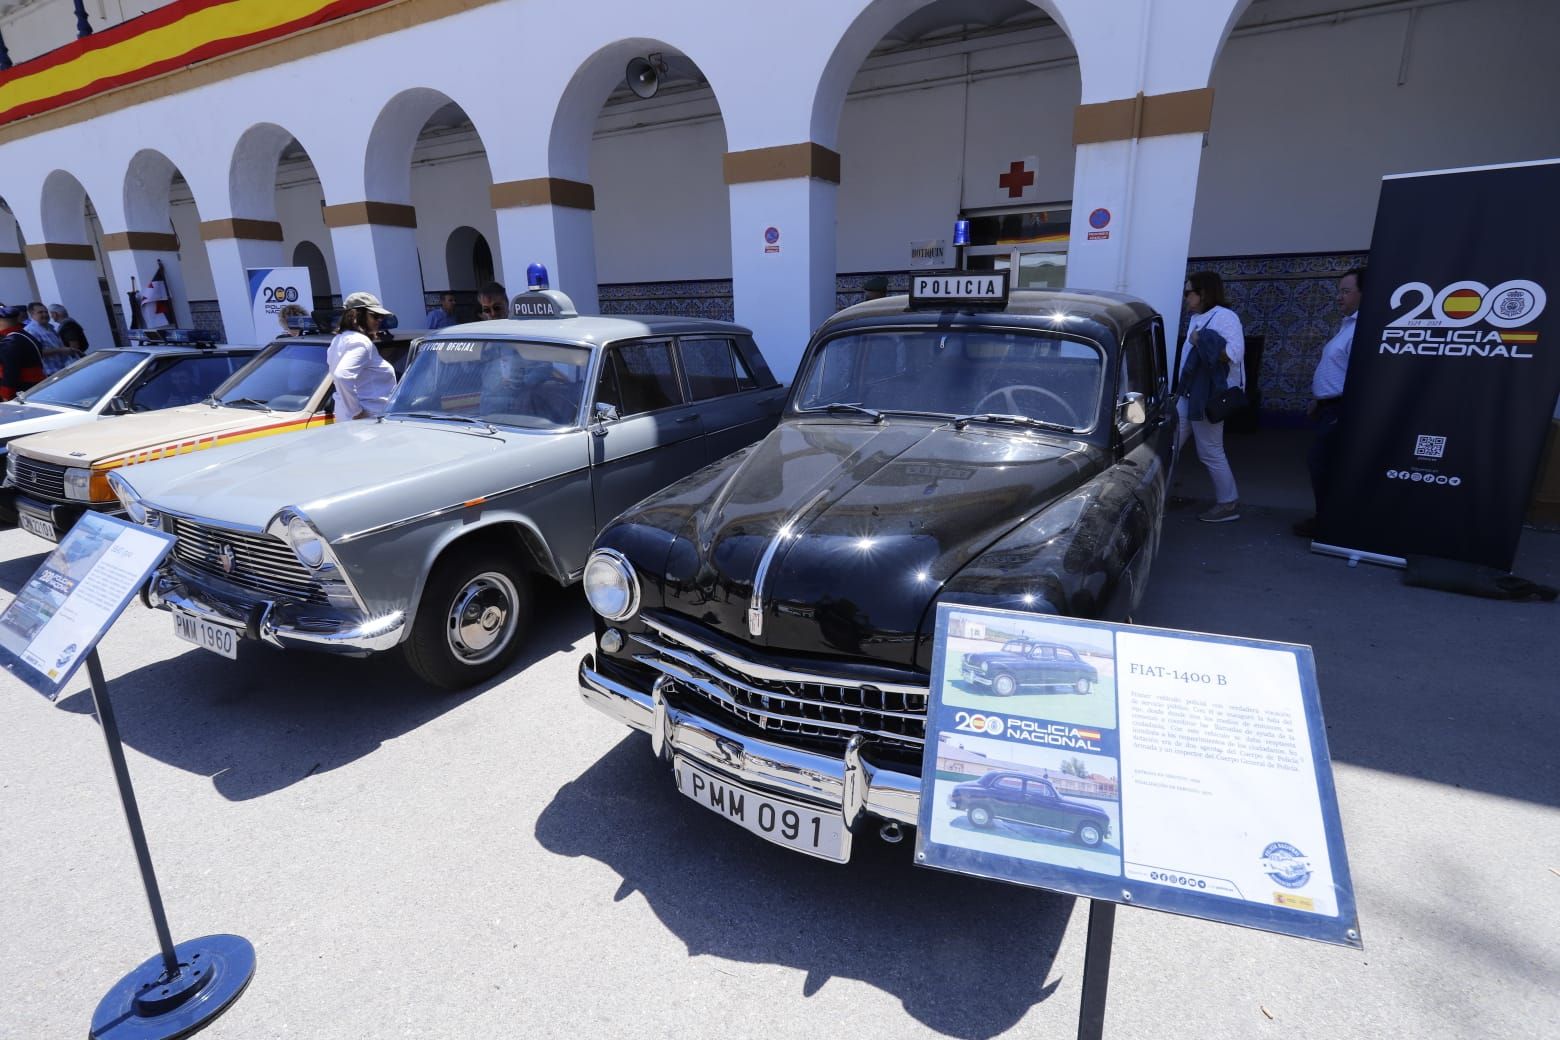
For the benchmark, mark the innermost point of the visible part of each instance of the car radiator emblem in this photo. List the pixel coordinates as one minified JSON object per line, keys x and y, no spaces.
{"x":227,"y":558}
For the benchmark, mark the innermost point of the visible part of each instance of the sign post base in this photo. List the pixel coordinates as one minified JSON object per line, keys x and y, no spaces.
{"x":151,"y":1003}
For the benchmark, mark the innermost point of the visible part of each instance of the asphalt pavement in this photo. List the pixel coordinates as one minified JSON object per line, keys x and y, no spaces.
{"x":508,"y":862}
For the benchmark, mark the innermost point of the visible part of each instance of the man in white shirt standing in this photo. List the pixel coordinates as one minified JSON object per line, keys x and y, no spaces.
{"x":1327,"y":392}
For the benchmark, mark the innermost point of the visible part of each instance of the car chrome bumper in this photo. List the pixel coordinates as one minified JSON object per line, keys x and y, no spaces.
{"x":979,"y":678}
{"x":329,"y":631}
{"x":851,"y":784}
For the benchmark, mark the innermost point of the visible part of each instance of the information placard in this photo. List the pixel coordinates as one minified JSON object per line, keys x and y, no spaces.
{"x":78,"y":593}
{"x":1157,"y":768}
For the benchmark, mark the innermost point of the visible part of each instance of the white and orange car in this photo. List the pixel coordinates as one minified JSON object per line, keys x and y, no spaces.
{"x":59,"y":475}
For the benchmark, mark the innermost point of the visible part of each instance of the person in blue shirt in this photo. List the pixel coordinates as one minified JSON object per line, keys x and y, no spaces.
{"x":444,"y":313}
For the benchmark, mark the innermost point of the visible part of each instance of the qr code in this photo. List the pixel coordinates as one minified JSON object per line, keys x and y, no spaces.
{"x":1428,"y":447}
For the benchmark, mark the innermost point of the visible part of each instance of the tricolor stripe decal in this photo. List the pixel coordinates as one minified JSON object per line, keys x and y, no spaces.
{"x":211,"y":440}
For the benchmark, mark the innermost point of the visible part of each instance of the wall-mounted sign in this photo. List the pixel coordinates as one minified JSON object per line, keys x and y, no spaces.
{"x":930,"y":253}
{"x":771,"y":239}
{"x":1157,"y":768}
{"x":70,"y":601}
{"x":278,"y":297}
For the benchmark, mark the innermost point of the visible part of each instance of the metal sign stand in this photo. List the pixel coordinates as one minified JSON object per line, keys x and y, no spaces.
{"x":1096,"y":969}
{"x":185,"y":987}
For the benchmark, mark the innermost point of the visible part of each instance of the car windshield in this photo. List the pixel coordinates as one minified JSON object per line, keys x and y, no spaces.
{"x":84,"y":383}
{"x":283,"y":378}
{"x":507,"y":382}
{"x":974,"y":372}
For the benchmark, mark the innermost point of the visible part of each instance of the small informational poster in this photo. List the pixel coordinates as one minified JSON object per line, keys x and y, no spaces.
{"x":932,"y":252}
{"x":279,"y":296}
{"x":1172,"y":770}
{"x":75,"y":597}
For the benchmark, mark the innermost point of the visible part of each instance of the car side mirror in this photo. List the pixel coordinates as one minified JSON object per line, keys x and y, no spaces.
{"x":117,"y":405}
{"x":603,"y":413}
{"x":1131,"y":409}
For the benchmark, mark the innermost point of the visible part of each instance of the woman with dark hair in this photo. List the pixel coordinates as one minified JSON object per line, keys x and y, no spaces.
{"x":1212,"y":358}
{"x":364,"y":380}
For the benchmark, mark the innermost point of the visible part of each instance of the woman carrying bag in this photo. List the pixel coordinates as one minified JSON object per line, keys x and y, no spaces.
{"x":1212,"y":363}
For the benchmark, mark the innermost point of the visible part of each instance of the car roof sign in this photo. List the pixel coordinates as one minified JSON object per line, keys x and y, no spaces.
{"x":542,"y":303}
{"x":964,"y":289}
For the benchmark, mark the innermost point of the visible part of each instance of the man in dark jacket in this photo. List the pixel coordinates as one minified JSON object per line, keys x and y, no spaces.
{"x":70,"y":330}
{"x":21,"y":365}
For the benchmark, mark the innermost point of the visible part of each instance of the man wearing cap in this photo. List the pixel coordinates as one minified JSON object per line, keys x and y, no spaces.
{"x":21,"y":365}
{"x":874,"y":288}
{"x":364,"y":381}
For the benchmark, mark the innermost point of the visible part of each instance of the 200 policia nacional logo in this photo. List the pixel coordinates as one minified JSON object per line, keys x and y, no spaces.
{"x":1466,"y":319}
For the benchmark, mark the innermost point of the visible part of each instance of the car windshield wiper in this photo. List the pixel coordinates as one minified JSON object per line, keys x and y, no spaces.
{"x":1017,"y":420}
{"x":858,"y":409}
{"x":240,"y":402}
{"x":489,"y":427}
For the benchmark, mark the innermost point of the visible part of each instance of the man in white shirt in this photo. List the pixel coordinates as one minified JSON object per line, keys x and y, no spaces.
{"x":1327,"y":391}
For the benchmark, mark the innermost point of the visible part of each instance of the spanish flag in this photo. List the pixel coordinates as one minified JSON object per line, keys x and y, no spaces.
{"x":1462,"y":303}
{"x":1523,"y":337}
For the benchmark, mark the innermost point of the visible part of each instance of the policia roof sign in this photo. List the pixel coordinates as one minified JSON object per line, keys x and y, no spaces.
{"x":966,"y":289}
{"x":1171,"y":770}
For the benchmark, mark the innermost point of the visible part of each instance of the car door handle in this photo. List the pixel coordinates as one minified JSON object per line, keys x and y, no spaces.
{"x":687,"y":419}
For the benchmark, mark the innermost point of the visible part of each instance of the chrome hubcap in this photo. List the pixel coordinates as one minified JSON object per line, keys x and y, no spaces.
{"x":482,"y":618}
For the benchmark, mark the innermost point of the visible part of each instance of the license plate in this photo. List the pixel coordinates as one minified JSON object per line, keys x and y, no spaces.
{"x":216,"y":638}
{"x":791,"y":824}
{"x":32,"y":525}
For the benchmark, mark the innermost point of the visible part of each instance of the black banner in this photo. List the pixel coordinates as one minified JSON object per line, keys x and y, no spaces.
{"x":1455,"y":367}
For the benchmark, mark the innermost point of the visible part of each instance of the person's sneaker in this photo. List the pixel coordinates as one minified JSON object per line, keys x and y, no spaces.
{"x":1222,"y":513}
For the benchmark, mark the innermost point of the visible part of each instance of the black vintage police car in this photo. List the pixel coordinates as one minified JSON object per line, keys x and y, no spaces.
{"x":769,"y":619}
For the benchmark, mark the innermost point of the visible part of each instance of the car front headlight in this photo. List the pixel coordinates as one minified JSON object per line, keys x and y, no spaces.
{"x":129,"y":501}
{"x":87,"y":485}
{"x":611,"y":587}
{"x":306,"y":543}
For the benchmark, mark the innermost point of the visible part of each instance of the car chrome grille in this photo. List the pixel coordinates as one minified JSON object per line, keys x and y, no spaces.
{"x":257,"y":562}
{"x":39,"y":479}
{"x":814,"y":709}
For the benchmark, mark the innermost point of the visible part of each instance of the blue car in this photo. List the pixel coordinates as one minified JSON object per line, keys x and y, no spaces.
{"x":1030,"y":800}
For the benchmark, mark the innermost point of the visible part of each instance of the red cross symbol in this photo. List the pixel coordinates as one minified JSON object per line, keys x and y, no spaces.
{"x":1016,"y":180}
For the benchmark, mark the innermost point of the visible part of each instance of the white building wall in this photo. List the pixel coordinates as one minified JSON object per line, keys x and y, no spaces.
{"x":448,"y":194}
{"x":302,"y":218}
{"x":1306,"y":121}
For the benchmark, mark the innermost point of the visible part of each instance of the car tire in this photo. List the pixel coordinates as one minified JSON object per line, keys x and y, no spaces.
{"x":1089,"y":834}
{"x":1004,"y":685}
{"x":980,"y":816}
{"x":469,"y":624}
{"x":1082,"y":686}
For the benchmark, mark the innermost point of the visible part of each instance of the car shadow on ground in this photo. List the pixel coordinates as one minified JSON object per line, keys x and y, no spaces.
{"x":962,"y":957}
{"x":271,"y":719}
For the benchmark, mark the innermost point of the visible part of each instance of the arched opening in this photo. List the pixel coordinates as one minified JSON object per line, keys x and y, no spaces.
{"x":73,"y":272}
{"x":661,"y":227}
{"x":468,"y":261}
{"x":163,"y":232}
{"x":426,"y":155}
{"x":308,"y":255}
{"x":279,"y":203}
{"x":993,"y":87}
{"x":17,"y":284}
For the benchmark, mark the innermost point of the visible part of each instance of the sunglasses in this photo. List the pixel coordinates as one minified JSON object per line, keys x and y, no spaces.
{"x":497,"y":311}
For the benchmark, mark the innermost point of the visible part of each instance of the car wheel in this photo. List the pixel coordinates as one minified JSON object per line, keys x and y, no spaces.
{"x":980,"y":816}
{"x":1090,"y":834}
{"x":1004,"y":685}
{"x":1082,"y":686}
{"x":468,"y":624}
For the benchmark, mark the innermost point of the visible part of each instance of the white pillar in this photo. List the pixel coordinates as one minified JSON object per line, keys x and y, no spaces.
{"x":376,"y":252}
{"x":15,"y":285}
{"x":73,"y":281}
{"x":231,"y":258}
{"x":1150,"y":197}
{"x":548,"y":221}
{"x":783,"y":246}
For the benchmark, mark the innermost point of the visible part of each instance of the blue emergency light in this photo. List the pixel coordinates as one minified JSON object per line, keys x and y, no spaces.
{"x":536,"y":277}
{"x":961,"y":232}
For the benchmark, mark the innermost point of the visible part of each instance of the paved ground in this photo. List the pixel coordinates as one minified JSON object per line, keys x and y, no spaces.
{"x":508,"y":863}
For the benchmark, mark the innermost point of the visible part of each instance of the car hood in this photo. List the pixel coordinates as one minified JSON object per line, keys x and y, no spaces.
{"x":355,"y":475}
{"x":862,"y":523}
{"x":122,"y":440}
{"x":23,"y":420}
